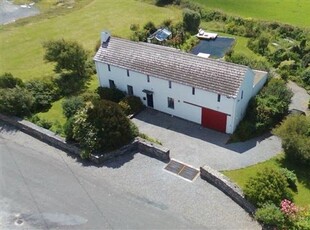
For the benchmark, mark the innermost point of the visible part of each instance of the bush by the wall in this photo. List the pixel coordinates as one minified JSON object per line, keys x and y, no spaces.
{"x":268,"y":186}
{"x":271,"y":215}
{"x":43,"y":92}
{"x":71,"y":105}
{"x":110,"y":94}
{"x":131,"y":104}
{"x":16,"y":101}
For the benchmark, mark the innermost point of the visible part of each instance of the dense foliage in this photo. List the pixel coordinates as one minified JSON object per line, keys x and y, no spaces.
{"x":43,"y":92}
{"x":191,"y":20}
{"x":71,"y":62}
{"x":268,"y":186}
{"x":8,"y":81}
{"x":71,"y":105}
{"x":16,"y":101}
{"x":101,"y":126}
{"x":131,"y":105}
{"x":110,"y":94}
{"x":265,"y":110}
{"x":295,"y":134}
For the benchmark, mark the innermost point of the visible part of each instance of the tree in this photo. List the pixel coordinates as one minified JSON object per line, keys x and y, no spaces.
{"x":100,"y":126}
{"x":16,"y":101}
{"x":191,"y":20}
{"x":263,"y":42}
{"x":8,"y":81}
{"x":268,"y":186}
{"x":295,"y":134}
{"x":71,"y":105}
{"x":305,"y":76}
{"x":43,"y":92}
{"x":69,"y":56}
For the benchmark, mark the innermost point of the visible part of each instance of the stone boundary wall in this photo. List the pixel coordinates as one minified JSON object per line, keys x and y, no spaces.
{"x":139,"y":144}
{"x":223,"y":183}
{"x":40,"y":133}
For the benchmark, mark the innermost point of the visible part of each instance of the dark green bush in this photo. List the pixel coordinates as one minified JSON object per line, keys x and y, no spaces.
{"x":68,"y":129}
{"x":290,"y":177}
{"x":131,"y":104}
{"x":70,"y":84}
{"x":110,"y":94}
{"x":295,"y":134}
{"x":16,"y":101}
{"x":271,"y":215}
{"x":268,"y":186}
{"x":8,"y":81}
{"x":71,"y":105}
{"x":306,"y":76}
{"x":43,"y":92}
{"x":101,"y":126}
{"x":41,"y":122}
{"x":163,"y":2}
{"x":191,"y":20}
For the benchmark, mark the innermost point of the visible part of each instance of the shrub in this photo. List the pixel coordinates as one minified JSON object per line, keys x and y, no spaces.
{"x":163,"y":2}
{"x":291,"y":178}
{"x":43,"y":92}
{"x":70,"y":84}
{"x":8,"y":81}
{"x":268,"y":186}
{"x":295,"y":132}
{"x":41,"y":122}
{"x":101,"y":126}
{"x":71,"y":105}
{"x":270,"y":214}
{"x":131,"y":105}
{"x":191,"y":20}
{"x":16,"y":101}
{"x":305,"y":76}
{"x":110,"y":94}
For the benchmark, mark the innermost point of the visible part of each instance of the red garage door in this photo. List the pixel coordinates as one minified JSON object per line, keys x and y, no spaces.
{"x":213,"y":119}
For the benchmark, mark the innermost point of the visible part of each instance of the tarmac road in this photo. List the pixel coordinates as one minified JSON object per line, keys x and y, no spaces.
{"x":44,"y":188}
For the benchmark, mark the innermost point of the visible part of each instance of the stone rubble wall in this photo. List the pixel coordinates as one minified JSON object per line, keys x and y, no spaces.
{"x":223,"y":183}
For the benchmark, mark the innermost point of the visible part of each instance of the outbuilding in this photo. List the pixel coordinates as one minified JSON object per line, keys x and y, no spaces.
{"x":210,"y":92}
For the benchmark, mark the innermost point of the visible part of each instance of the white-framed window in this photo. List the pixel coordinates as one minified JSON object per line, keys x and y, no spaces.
{"x":128,"y":73}
{"x":170,"y":103}
{"x":242,"y":94}
{"x":218,"y":97}
{"x":170,"y":84}
{"x":148,"y":78}
{"x":109,"y":68}
{"x":193,"y":90}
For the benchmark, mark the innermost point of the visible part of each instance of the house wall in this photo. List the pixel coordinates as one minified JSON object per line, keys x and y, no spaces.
{"x":244,"y":95}
{"x":186,"y":105}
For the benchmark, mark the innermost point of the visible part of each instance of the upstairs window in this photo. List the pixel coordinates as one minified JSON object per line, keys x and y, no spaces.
{"x":109,"y":68}
{"x":127,"y":73}
{"x":148,"y":78}
{"x":170,"y":103}
{"x":218,"y":97}
{"x":170,"y":84}
{"x":242,"y":94}
{"x":193,"y":90}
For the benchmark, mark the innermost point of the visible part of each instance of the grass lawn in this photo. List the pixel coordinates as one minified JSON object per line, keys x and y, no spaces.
{"x":302,"y":197}
{"x":21,"y":44}
{"x":295,"y":12}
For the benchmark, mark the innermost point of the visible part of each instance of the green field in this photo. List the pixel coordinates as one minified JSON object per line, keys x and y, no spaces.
{"x":21,"y":45}
{"x":302,"y":197}
{"x":295,"y":12}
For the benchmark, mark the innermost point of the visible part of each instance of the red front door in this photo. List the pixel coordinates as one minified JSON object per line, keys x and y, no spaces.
{"x":213,"y":119}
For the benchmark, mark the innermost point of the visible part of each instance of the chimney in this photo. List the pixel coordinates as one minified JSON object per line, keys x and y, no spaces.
{"x":105,"y":38}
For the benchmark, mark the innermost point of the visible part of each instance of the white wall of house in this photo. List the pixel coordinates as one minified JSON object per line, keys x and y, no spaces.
{"x":244,"y":95}
{"x":186,"y":105}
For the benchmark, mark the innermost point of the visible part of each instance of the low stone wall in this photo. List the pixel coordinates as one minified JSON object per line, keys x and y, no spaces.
{"x":139,"y":144}
{"x":225,"y":185}
{"x":153,"y":150}
{"x":41,"y":134}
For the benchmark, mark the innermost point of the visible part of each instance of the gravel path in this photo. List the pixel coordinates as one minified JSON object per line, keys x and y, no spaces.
{"x":197,"y":146}
{"x":300,"y":99}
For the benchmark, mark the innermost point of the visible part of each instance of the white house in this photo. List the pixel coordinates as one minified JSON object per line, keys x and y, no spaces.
{"x":209,"y":92}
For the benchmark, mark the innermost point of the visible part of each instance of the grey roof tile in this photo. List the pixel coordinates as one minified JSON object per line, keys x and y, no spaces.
{"x":171,"y":64}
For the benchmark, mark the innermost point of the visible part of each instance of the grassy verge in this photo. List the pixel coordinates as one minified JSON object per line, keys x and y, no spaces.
{"x":286,"y":11}
{"x":302,"y":197}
